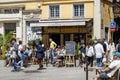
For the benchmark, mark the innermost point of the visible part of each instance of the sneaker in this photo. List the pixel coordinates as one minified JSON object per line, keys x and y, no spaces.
{"x":22,"y":67}
{"x":14,"y":71}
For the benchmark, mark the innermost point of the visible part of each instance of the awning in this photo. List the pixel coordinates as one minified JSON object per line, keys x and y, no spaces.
{"x":52,"y":23}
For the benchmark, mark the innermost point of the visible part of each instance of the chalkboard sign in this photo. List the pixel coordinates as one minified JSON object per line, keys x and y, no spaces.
{"x":70,"y":47}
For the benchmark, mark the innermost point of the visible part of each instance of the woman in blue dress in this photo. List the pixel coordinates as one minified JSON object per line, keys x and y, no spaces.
{"x":39,"y":53}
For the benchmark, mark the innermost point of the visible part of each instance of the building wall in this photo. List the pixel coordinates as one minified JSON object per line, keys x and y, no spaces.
{"x":19,"y":18}
{"x":66,"y":8}
{"x":107,"y":16}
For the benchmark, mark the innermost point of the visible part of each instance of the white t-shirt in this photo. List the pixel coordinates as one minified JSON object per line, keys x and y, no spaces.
{"x":20,"y":48}
{"x":99,"y":50}
{"x":89,"y":51}
{"x":112,"y":66}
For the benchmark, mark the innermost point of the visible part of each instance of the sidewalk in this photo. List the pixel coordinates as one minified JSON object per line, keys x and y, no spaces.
{"x":50,"y":73}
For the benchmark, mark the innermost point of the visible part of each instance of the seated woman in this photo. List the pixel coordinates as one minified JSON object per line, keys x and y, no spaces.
{"x":62,"y":53}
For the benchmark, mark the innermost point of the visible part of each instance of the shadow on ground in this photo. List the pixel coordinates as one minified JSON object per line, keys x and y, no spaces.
{"x":31,"y":71}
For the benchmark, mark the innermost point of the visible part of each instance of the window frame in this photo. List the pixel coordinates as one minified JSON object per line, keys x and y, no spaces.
{"x":56,"y":14}
{"x":79,"y":13}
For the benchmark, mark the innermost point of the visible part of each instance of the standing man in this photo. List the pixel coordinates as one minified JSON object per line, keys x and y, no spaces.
{"x":52,"y":48}
{"x":99,"y":53}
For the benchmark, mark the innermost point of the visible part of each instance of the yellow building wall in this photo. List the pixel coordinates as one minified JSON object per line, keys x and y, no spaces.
{"x":45,"y":12}
{"x":66,"y":8}
{"x":89,"y":10}
{"x":46,"y":2}
{"x":107,"y":14}
{"x":66,"y":11}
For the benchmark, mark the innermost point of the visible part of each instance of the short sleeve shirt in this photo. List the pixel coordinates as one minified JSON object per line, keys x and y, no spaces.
{"x":112,"y":66}
{"x":99,"y":50}
{"x":52,"y":45}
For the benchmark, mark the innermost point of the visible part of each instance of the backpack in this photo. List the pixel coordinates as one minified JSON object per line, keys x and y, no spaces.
{"x":104,"y":47}
{"x":16,"y":47}
{"x":118,"y":47}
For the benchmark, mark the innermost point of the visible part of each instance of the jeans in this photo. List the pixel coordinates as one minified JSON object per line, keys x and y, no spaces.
{"x":99,"y":62}
{"x":22,"y":58}
{"x":52,"y":56}
{"x":15,"y":64}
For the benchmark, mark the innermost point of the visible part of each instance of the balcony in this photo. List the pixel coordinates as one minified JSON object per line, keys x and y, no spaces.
{"x":9,"y":17}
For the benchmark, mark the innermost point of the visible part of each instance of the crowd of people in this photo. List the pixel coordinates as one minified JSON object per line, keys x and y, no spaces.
{"x":19,"y":55}
{"x":100,"y":51}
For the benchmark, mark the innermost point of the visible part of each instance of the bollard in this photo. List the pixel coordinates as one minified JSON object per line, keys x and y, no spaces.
{"x":86,"y":71}
{"x":46,"y":60}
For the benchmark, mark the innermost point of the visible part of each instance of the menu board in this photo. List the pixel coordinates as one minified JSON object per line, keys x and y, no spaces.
{"x":70,"y":47}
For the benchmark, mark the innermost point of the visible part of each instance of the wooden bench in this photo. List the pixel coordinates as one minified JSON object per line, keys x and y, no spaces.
{"x":107,"y":64}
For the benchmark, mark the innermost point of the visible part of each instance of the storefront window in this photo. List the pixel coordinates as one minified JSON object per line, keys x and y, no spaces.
{"x":10,"y":27}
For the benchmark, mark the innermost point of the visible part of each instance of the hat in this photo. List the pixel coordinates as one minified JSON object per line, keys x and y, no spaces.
{"x":117,"y":54}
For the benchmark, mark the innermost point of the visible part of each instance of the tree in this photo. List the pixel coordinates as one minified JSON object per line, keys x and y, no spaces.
{"x":5,"y":42}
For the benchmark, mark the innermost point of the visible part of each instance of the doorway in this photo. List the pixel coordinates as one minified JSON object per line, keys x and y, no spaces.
{"x":55,"y":37}
{"x":80,"y":37}
{"x":66,"y":37}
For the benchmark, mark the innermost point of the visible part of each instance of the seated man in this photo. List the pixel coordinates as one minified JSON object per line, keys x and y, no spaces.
{"x":109,"y":71}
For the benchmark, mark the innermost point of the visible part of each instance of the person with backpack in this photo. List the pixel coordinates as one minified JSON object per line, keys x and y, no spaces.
{"x":14,"y":44}
{"x":118,"y":47}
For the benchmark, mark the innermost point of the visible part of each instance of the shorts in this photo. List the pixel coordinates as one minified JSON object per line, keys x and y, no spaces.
{"x":103,"y":75}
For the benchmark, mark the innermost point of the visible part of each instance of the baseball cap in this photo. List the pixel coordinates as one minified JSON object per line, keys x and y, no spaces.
{"x":117,"y":54}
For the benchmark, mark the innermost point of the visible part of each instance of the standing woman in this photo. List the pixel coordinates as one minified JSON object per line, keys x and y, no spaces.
{"x":83,"y":51}
{"x":90,"y":54}
{"x":39,"y":53}
{"x":111,"y":47}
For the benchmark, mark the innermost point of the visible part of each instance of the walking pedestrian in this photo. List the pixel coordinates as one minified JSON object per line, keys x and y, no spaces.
{"x":39,"y":54}
{"x":99,"y":53}
{"x":90,"y":54}
{"x":21,"y":54}
{"x":53,"y":45}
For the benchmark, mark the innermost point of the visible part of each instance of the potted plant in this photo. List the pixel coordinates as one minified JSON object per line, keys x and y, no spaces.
{"x":4,"y":43}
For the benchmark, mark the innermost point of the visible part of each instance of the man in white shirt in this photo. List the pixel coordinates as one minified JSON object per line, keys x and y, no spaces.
{"x":21,"y":54}
{"x":99,"y":53}
{"x":109,"y":71}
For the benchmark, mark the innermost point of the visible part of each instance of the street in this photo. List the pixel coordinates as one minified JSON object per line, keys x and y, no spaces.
{"x":49,"y":73}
